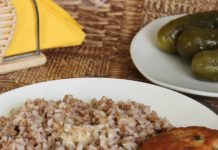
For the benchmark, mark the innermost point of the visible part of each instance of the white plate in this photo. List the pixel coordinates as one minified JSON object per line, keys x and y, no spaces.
{"x":164,"y":69}
{"x":179,"y":109}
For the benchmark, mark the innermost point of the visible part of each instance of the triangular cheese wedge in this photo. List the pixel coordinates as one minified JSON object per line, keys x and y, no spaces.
{"x":57,"y":27}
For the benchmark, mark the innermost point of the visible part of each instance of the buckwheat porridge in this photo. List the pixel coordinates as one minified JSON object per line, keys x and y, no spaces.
{"x":75,"y":124}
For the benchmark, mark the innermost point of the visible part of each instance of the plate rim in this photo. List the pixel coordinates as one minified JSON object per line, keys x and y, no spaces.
{"x":166,"y":85}
{"x":97,"y":78}
{"x":115,"y":79}
{"x":124,"y":81}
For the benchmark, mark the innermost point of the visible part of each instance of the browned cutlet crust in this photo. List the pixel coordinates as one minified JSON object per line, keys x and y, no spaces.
{"x":188,"y":138}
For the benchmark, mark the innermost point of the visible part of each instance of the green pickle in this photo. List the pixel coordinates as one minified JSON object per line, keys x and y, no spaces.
{"x":193,"y":40}
{"x":168,"y":34}
{"x":205,"y":65}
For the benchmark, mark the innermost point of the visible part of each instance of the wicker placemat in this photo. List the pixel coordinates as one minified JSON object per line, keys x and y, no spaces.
{"x":70,"y":63}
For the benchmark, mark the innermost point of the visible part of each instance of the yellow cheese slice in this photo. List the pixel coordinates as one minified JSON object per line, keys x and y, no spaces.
{"x":57,"y":27}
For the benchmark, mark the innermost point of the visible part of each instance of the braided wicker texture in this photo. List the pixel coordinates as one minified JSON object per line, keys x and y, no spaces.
{"x":110,"y":25}
{"x":7,"y":25}
{"x":105,"y":52}
{"x":159,"y":8}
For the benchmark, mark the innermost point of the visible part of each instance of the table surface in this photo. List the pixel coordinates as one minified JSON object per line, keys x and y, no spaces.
{"x":84,"y":62}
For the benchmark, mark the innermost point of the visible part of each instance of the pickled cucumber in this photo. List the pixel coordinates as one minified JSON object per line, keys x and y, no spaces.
{"x":205,"y":65}
{"x":168,"y":34}
{"x":193,"y":40}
